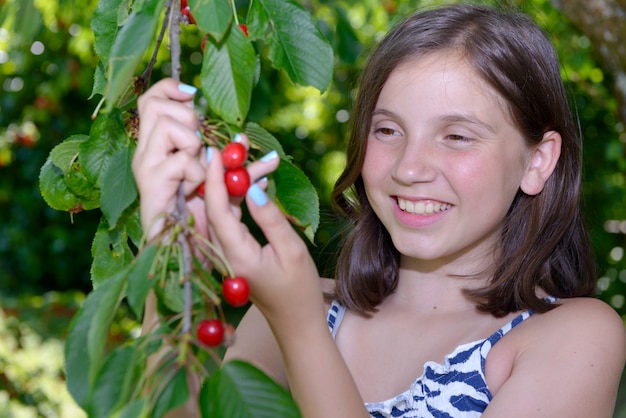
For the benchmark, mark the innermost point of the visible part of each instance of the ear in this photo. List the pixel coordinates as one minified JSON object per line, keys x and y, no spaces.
{"x":542,"y":162}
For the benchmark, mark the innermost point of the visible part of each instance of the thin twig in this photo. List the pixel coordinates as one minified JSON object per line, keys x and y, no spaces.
{"x":180,"y":211}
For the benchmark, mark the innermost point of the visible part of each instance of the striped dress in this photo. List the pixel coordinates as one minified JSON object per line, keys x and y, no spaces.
{"x":454,"y":389}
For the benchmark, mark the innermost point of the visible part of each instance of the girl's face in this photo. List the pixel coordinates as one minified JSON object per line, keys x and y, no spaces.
{"x":443,"y":162}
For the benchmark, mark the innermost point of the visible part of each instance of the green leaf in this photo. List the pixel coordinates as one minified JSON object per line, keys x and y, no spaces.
{"x":131,"y":43}
{"x":58,"y":183}
{"x":116,"y":381}
{"x":263,"y":140}
{"x":104,"y":27}
{"x":212,"y":16}
{"x":240,"y":390}
{"x":64,"y":154}
{"x":227,"y":76}
{"x":118,"y":189}
{"x":54,"y":190}
{"x":139,"y":283}
{"x":87,"y":336}
{"x":107,"y":136}
{"x":111,"y":252}
{"x":78,"y":183}
{"x":135,"y":409}
{"x":175,"y":394}
{"x":298,"y":198}
{"x":296,"y":44}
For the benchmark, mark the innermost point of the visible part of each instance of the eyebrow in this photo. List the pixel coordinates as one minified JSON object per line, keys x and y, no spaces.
{"x":451,"y":118}
{"x":468,"y":118}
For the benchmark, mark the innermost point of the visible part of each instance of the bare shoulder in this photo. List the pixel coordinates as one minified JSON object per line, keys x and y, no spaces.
{"x":589,"y":317}
{"x":586,"y":326}
{"x":566,"y":362}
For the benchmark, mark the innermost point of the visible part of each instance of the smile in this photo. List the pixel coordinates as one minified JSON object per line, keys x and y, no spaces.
{"x":422,"y":208}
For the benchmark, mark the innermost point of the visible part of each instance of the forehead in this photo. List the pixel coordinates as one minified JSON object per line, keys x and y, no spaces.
{"x":449,"y":70}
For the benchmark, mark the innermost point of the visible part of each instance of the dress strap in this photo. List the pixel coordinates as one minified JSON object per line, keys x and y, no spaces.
{"x":334,"y":317}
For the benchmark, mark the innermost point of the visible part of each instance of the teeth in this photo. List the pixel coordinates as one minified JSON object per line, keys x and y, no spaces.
{"x":421,"y":208}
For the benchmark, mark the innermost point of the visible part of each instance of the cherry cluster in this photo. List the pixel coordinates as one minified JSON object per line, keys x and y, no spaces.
{"x":235,"y":290}
{"x":234,"y":155}
{"x":213,"y":332}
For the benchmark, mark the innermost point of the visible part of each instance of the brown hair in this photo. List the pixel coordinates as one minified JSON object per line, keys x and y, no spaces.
{"x":544,"y":243}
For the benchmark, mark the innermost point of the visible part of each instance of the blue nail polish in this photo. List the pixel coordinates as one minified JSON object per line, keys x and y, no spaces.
{"x":237,"y":138}
{"x":199,"y":134}
{"x":186,"y":88}
{"x":257,"y":194}
{"x":209,"y":154}
{"x":269,"y":156}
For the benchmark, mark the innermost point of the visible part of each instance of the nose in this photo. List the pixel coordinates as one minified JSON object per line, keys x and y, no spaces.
{"x":416,"y":162}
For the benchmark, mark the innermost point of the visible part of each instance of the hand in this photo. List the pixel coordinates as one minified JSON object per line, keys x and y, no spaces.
{"x":168,"y":151}
{"x":283,"y":278}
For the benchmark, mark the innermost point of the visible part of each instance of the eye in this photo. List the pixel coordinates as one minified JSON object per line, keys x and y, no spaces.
{"x":386,"y":131}
{"x":458,"y":138}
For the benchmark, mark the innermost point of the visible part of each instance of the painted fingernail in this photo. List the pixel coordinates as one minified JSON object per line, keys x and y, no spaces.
{"x":269,"y":156}
{"x":257,"y":194}
{"x":199,"y":134}
{"x":237,"y":138}
{"x":261,"y":180}
{"x":209,"y":154}
{"x":186,"y":88}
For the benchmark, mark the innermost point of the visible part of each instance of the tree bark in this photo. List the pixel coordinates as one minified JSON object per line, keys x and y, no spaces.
{"x":604,"y":23}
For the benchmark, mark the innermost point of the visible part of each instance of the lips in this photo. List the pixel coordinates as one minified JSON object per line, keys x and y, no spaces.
{"x":427,"y":207}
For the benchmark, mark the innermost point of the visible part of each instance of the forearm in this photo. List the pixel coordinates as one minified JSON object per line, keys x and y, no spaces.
{"x":318,"y":376}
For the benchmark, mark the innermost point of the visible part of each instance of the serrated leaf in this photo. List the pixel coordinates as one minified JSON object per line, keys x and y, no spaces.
{"x":295,"y":43}
{"x":175,"y":394}
{"x":212,"y":16}
{"x":131,"y":43}
{"x":298,"y":198}
{"x":117,"y":379}
{"x":86,"y":339}
{"x":139,"y":283}
{"x":107,"y":135}
{"x":55,"y":192}
{"x":240,"y":390}
{"x":227,"y":76}
{"x":111,"y":252}
{"x":264,"y":141}
{"x":118,"y":188}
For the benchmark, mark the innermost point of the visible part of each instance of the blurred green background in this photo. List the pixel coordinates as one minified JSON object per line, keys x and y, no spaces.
{"x":46,"y":73}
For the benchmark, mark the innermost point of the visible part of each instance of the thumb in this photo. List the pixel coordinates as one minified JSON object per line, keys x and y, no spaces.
{"x":275,"y":226}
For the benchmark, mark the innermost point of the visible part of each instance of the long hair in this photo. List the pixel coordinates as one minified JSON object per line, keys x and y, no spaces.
{"x":544,"y":243}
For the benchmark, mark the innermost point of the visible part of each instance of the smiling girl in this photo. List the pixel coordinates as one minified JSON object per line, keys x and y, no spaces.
{"x":465,"y":286}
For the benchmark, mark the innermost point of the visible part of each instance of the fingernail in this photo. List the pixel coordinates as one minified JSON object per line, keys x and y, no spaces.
{"x":186,"y":88}
{"x":199,"y":134}
{"x":262,"y":179}
{"x":269,"y":156}
{"x":257,"y":194}
{"x":209,"y":154}
{"x":238,"y":138}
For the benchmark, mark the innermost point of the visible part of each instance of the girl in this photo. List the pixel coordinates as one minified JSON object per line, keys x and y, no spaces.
{"x":464,"y":287}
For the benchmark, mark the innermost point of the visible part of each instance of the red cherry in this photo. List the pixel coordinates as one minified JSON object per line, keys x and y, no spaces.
{"x":234,"y":155}
{"x":210,"y":332}
{"x":200,"y":190}
{"x":244,"y":28}
{"x":237,"y":181}
{"x":236,"y":291}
